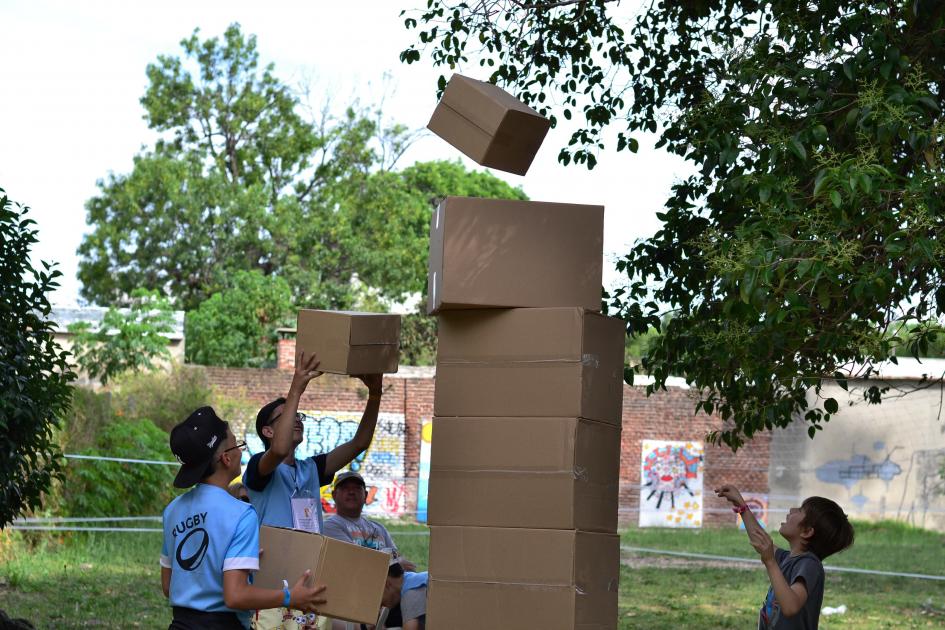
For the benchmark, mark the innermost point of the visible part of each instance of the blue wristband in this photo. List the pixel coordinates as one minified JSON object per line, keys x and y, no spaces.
{"x":286,"y":595}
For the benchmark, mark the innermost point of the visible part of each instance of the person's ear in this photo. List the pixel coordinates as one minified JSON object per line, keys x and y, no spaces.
{"x":807,"y":534}
{"x":268,"y":432}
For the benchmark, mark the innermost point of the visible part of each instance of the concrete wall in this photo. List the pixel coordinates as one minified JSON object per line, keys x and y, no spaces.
{"x":877,"y":461}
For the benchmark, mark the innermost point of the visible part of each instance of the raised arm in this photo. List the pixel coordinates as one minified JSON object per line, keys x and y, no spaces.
{"x":731,"y":493}
{"x":281,"y":446}
{"x":345,"y":453}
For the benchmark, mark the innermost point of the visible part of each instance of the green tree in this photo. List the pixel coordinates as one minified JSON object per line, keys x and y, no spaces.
{"x":125,"y":340}
{"x":242,"y":179}
{"x":35,"y":389}
{"x":235,"y":327}
{"x":813,"y":222}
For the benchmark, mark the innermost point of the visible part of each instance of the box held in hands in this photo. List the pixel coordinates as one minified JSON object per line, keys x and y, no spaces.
{"x":354,"y":575}
{"x":349,"y":342}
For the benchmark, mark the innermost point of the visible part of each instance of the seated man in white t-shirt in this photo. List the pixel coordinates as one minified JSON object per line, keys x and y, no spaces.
{"x":350,"y":494}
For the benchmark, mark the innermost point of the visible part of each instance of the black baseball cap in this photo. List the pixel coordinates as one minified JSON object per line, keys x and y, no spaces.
{"x":193,"y":442}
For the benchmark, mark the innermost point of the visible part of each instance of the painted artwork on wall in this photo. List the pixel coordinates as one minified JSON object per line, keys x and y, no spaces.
{"x":758,"y":504}
{"x":423,"y":481}
{"x":382,"y":465}
{"x":671,"y":484}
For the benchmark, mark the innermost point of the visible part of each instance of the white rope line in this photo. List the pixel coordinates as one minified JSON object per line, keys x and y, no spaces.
{"x":85,"y":519}
{"x":84,"y":529}
{"x":125,"y":460}
{"x":706,"y":556}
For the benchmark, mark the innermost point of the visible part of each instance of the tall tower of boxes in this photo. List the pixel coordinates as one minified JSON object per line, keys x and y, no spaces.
{"x":527,"y":412}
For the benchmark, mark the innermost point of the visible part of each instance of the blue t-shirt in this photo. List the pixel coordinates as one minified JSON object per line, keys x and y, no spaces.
{"x":207,"y":532}
{"x":271,"y":495}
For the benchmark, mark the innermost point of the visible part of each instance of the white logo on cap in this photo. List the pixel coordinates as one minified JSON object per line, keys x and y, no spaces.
{"x":212,"y":441}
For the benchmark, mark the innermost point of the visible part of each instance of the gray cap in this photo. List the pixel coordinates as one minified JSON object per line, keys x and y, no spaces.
{"x":345,"y":476}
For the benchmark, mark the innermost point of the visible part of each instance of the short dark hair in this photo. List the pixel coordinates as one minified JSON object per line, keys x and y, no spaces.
{"x":264,"y":419}
{"x":395,"y":570}
{"x":832,"y":530}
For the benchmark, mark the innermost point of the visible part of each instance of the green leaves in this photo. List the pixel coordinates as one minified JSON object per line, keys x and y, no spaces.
{"x":125,"y":340}
{"x":35,"y":376}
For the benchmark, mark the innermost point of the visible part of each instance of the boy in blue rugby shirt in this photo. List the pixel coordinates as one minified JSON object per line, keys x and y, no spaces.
{"x":287,"y":491}
{"x":211,"y":540}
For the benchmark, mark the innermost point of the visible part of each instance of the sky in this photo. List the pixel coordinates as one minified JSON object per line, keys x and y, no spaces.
{"x":72,"y":74}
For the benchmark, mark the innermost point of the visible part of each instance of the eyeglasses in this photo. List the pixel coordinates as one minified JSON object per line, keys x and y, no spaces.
{"x":240,"y":446}
{"x":299,"y":417}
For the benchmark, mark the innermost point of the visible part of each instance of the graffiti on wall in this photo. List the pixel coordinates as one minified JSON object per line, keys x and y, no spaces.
{"x":758,"y":504}
{"x":671,"y":484}
{"x":860,"y":467}
{"x":382,"y":465}
{"x":423,"y":481}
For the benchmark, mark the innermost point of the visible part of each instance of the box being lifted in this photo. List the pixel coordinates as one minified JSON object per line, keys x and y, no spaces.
{"x":493,"y":253}
{"x":349,"y":342}
{"x":354,"y":575}
{"x":489,"y":125}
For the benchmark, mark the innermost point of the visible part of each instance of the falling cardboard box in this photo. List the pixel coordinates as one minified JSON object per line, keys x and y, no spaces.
{"x":558,"y":362}
{"x":349,"y":342}
{"x":487,"y":577}
{"x":487,"y":253}
{"x":489,"y":125}
{"x":354,"y":575}
{"x":547,"y":473}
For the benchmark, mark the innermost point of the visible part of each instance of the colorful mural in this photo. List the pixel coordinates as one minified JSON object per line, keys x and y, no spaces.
{"x":382,"y":465}
{"x":758,"y":504}
{"x":671,"y":484}
{"x":423,"y":482}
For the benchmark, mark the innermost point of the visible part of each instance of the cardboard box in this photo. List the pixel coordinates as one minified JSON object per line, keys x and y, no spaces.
{"x":483,"y":577}
{"x":492,"y":253}
{"x":545,"y":473}
{"x":489,"y":125}
{"x":354,"y":575}
{"x":348,"y":342}
{"x":530,"y":362}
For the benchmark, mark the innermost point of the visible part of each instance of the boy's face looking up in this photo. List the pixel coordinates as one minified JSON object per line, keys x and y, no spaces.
{"x":793,"y":528}
{"x":276,"y":417}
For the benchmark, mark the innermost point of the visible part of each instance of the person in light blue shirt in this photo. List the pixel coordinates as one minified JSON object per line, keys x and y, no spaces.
{"x":286,"y":491}
{"x":211,"y":539}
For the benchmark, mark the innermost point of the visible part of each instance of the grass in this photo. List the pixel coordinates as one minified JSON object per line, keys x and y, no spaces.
{"x":112,"y":580}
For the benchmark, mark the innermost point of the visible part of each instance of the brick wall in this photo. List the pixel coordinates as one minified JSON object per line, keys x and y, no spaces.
{"x":666,"y":415}
{"x":669,"y":415}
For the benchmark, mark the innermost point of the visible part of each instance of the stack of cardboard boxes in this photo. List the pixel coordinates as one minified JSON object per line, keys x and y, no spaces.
{"x":527,"y":411}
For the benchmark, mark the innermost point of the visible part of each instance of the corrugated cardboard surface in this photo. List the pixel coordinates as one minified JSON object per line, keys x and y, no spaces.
{"x":587,"y":560}
{"x":354,"y":575}
{"x":554,"y":473}
{"x":489,"y":125}
{"x":349,"y":342}
{"x":530,"y":362}
{"x":502,"y":254}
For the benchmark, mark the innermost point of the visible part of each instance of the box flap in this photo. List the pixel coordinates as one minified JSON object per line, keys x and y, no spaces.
{"x":375,"y":329}
{"x":435,"y":260}
{"x":356,"y":576}
{"x":460,"y":132}
{"x":482,"y":104}
{"x":478,"y":605}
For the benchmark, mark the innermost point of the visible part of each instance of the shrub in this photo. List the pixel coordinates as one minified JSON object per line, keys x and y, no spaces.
{"x":102,"y":488}
{"x":164,"y":398}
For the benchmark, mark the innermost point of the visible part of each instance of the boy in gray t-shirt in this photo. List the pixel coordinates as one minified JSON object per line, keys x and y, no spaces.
{"x":817,"y":529}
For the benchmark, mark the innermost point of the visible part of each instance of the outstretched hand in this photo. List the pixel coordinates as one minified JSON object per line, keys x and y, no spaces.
{"x":730,"y":493}
{"x":306,"y":369}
